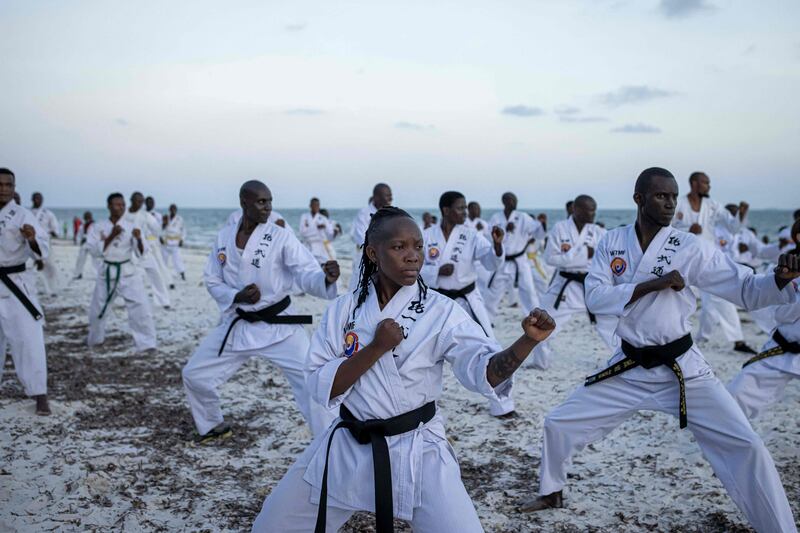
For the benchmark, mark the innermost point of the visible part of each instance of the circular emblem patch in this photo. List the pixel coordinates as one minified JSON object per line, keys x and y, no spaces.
{"x":433,"y":252}
{"x":222,"y":257}
{"x":350,"y":343}
{"x":618,"y":266}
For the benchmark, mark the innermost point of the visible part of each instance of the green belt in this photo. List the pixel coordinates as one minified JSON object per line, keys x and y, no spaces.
{"x":111,"y":292}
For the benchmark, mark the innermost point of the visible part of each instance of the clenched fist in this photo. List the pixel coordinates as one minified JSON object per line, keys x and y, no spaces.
{"x":497,"y":235}
{"x":388,"y":334}
{"x":28,"y":232}
{"x":249,"y":295}
{"x":446,"y":269}
{"x":788,"y":267}
{"x":538,"y":325}
{"x":331,"y":269}
{"x":672,"y":280}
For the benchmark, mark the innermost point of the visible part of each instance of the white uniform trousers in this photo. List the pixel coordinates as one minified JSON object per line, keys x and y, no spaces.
{"x":83,"y":255}
{"x":759,"y":384}
{"x":24,"y":338}
{"x":717,"y":313}
{"x":736,"y":453}
{"x":140,"y":316}
{"x":50,"y":276}
{"x":503,"y":282}
{"x":206,"y":371}
{"x":157,"y":282}
{"x":173,"y":251}
{"x":445,"y":504}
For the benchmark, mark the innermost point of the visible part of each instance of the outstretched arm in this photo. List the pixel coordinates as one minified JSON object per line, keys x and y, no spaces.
{"x":538,"y":325}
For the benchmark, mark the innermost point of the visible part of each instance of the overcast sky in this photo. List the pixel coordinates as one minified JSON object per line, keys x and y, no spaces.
{"x":185,"y":100}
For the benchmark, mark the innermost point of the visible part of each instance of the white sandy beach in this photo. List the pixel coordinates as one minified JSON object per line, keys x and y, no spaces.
{"x":117,"y":453}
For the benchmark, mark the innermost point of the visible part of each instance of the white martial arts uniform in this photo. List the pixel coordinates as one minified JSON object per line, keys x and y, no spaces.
{"x":761,"y":383}
{"x":83,"y":252}
{"x":482,"y":227}
{"x":541,"y":271}
{"x":274,"y":260}
{"x":464,"y":247}
{"x":568,"y":251}
{"x":20,"y":331}
{"x":174,"y":235}
{"x":358,"y":232}
{"x":515,"y":273}
{"x":49,"y":223}
{"x":274,"y":217}
{"x":150,"y":262}
{"x":426,"y":481}
{"x":119,"y":276}
{"x":713,"y":310}
{"x":318,"y":240}
{"x":736,"y":453}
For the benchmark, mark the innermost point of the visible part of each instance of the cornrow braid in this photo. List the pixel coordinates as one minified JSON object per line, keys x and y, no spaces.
{"x":367,"y":269}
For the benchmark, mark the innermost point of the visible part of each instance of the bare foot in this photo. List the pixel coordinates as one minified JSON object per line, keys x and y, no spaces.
{"x":541,"y":503}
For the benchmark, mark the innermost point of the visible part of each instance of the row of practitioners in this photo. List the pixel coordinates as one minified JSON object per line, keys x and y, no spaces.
{"x":379,"y":351}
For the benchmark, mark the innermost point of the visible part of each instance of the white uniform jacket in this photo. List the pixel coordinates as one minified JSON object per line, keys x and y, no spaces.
{"x":463,"y":248}
{"x":47,"y":220}
{"x":123,"y":249}
{"x":568,"y":250}
{"x":516,"y":241}
{"x":359,"y":228}
{"x":15,"y":250}
{"x":663,"y":316}
{"x":274,"y":260}
{"x":711,"y":215}
{"x":435,"y":330}
{"x":175,"y":232}
{"x":317,"y":239}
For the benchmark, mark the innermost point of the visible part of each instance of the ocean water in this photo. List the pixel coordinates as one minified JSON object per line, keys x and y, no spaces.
{"x":202,"y":225}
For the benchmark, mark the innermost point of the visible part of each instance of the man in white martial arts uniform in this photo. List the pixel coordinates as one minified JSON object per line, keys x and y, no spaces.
{"x":149,"y":262}
{"x":640,"y":273}
{"x":542,"y":272}
{"x":153,"y":237}
{"x":521,"y":229}
{"x":21,"y":238}
{"x":697,"y":213}
{"x":570,"y":249}
{"x":381,"y":197}
{"x":250,"y":274}
{"x":174,"y":233}
{"x":378,"y":357}
{"x":451,"y":250}
{"x":116,"y":241}
{"x":83,"y":250}
{"x":763,"y":378}
{"x":49,"y":223}
{"x":317,"y":233}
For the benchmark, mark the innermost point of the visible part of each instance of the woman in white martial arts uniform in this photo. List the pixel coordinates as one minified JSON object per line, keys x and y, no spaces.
{"x":116,"y":241}
{"x":49,"y":223}
{"x":317,"y":232}
{"x":516,"y":273}
{"x":250,"y":273}
{"x":570,"y":248}
{"x":378,"y":356}
{"x":762,"y":379}
{"x":640,"y":273}
{"x":451,"y":251}
{"x":21,"y":238}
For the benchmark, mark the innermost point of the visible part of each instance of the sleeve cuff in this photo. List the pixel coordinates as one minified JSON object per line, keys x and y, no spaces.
{"x":324,"y":383}
{"x":503,"y":389}
{"x":623,"y":308}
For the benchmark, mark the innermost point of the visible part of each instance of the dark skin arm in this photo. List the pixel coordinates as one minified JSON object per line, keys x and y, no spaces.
{"x":497,"y":240}
{"x":331,"y":269}
{"x":671,"y":280}
{"x":788,"y":269}
{"x":29,"y":234}
{"x":538,"y":325}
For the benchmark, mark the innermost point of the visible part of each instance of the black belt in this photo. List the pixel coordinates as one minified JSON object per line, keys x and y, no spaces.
{"x":269,"y":315}
{"x":374,"y":432}
{"x":580,"y":277}
{"x":462,"y":293}
{"x":784,"y":346}
{"x":651,"y":357}
{"x":111,"y":292}
{"x":516,"y":268}
{"x":16,"y":291}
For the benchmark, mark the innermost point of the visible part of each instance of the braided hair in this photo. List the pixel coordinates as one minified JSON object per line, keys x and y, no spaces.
{"x":368,"y":268}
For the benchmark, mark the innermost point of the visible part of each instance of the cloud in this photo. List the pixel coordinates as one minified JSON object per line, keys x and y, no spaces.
{"x":636,"y":128}
{"x":295,"y":27}
{"x":683,"y":8}
{"x":305,"y":111}
{"x":581,"y":119}
{"x":403,"y":125}
{"x":119,"y":121}
{"x":633,"y":94}
{"x":567,"y":110}
{"x":522,"y":111}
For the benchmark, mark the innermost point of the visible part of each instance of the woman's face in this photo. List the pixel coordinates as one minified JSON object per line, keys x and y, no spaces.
{"x":398,"y":251}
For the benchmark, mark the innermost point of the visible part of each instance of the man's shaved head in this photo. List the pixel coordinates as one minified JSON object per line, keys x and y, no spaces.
{"x":645,"y":179}
{"x":251,"y":187}
{"x":381,"y":195}
{"x":584,"y":199}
